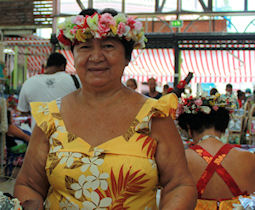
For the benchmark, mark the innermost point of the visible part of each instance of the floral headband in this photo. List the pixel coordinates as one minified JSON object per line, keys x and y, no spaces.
{"x":78,"y":29}
{"x":204,"y":104}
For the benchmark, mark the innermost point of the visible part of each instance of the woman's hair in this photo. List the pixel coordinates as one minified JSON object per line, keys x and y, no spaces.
{"x":128,"y":45}
{"x":201,"y":121}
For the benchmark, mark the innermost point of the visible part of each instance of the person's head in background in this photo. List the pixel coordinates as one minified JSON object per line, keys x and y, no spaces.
{"x":229,"y":89}
{"x":213,"y":91}
{"x":55,"y":63}
{"x":131,"y":83}
{"x":165,"y":89}
{"x":152,"y":84}
{"x":198,"y":116}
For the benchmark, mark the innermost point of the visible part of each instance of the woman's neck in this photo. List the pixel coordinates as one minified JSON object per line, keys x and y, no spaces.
{"x":209,"y":133}
{"x":103,"y":98}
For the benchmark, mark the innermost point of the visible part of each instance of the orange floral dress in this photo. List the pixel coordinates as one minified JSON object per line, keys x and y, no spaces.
{"x":214,"y":165}
{"x":120,"y":173}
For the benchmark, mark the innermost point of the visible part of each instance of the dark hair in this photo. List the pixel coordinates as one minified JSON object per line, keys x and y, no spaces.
{"x":128,"y":45}
{"x":213,"y":91}
{"x":134,"y":81}
{"x":229,"y":86}
{"x":166,"y":86}
{"x":200,"y":121}
{"x":56,"y":59}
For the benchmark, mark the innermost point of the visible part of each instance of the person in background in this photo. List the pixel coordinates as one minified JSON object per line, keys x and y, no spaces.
{"x":131,"y":83}
{"x":213,"y":92}
{"x":229,"y":94}
{"x":16,"y":138}
{"x":240,"y":98}
{"x":165,"y":89}
{"x":152,"y":89}
{"x":54,"y":83}
{"x":105,"y":146}
{"x":222,"y":171}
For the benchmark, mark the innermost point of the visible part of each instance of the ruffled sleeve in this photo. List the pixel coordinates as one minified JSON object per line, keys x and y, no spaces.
{"x":43,"y":117}
{"x":168,"y":105}
{"x":164,"y":107}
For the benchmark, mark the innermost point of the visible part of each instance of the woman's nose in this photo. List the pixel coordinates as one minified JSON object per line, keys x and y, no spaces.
{"x":96,"y":55}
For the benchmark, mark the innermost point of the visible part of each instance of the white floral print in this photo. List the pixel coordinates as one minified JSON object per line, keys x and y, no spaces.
{"x":68,"y":157}
{"x":96,"y":203}
{"x":97,"y":180}
{"x":80,"y":188}
{"x":59,"y":127}
{"x":91,"y":163}
{"x":66,"y":204}
{"x":98,"y":151}
{"x":43,"y":109}
{"x":56,"y":148}
{"x":153,"y":163}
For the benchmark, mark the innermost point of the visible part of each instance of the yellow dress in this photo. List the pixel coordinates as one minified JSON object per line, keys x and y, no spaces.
{"x":120,"y":173}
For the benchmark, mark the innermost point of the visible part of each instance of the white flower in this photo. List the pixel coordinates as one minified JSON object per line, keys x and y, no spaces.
{"x":98,"y":151}
{"x":43,"y":109}
{"x":66,"y":204}
{"x":47,"y":204}
{"x":58,"y":127}
{"x":80,"y":188}
{"x":68,"y":157}
{"x":96,"y":203}
{"x":97,"y":180}
{"x":205,"y":109}
{"x":56,"y":148}
{"x":91,"y":163}
{"x":153,"y":163}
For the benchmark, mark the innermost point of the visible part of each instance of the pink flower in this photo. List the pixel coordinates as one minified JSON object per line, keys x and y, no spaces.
{"x":73,"y":30}
{"x":79,"y":19}
{"x":198,"y":102}
{"x":105,"y":22}
{"x":138,"y":26}
{"x":215,"y":108}
{"x":121,"y":29}
{"x":131,"y":22}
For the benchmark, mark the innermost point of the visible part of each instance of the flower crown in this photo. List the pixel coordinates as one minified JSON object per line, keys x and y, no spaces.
{"x":78,"y":29}
{"x":204,"y":104}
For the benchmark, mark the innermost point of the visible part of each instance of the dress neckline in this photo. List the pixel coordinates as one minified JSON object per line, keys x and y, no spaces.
{"x":112,"y":139}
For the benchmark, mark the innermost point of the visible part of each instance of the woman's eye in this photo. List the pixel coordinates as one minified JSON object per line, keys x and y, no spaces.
{"x":108,"y":46}
{"x":85,"y":46}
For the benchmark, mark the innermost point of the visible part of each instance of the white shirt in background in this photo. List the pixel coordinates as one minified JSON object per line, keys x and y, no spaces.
{"x":44,"y":88}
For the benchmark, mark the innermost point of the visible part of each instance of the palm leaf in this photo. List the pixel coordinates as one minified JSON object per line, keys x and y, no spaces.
{"x":124,"y":186}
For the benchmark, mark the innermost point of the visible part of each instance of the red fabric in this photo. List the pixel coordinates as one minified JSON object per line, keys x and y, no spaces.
{"x":214,"y":165}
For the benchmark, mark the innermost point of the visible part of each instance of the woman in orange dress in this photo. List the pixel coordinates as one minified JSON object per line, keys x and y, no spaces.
{"x":104,"y":146}
{"x":222,"y":172}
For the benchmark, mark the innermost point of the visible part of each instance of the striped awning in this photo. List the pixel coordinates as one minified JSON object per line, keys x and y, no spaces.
{"x":208,"y":66}
{"x":32,"y":50}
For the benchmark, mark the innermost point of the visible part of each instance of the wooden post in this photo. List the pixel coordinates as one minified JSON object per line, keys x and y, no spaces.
{"x":15,"y":69}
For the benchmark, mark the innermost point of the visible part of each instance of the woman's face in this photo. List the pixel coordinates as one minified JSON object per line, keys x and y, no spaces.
{"x":100,"y":62}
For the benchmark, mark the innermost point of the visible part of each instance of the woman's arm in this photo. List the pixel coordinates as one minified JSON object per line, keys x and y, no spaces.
{"x":13,"y":130}
{"x":32,"y":183}
{"x":179,"y":191}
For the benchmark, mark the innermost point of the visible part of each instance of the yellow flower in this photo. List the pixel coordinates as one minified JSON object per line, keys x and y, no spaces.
{"x":114,"y":29}
{"x":82,"y":36}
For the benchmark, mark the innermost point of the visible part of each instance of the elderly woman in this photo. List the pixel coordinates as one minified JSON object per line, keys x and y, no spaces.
{"x":222,"y":172}
{"x":105,"y":146}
